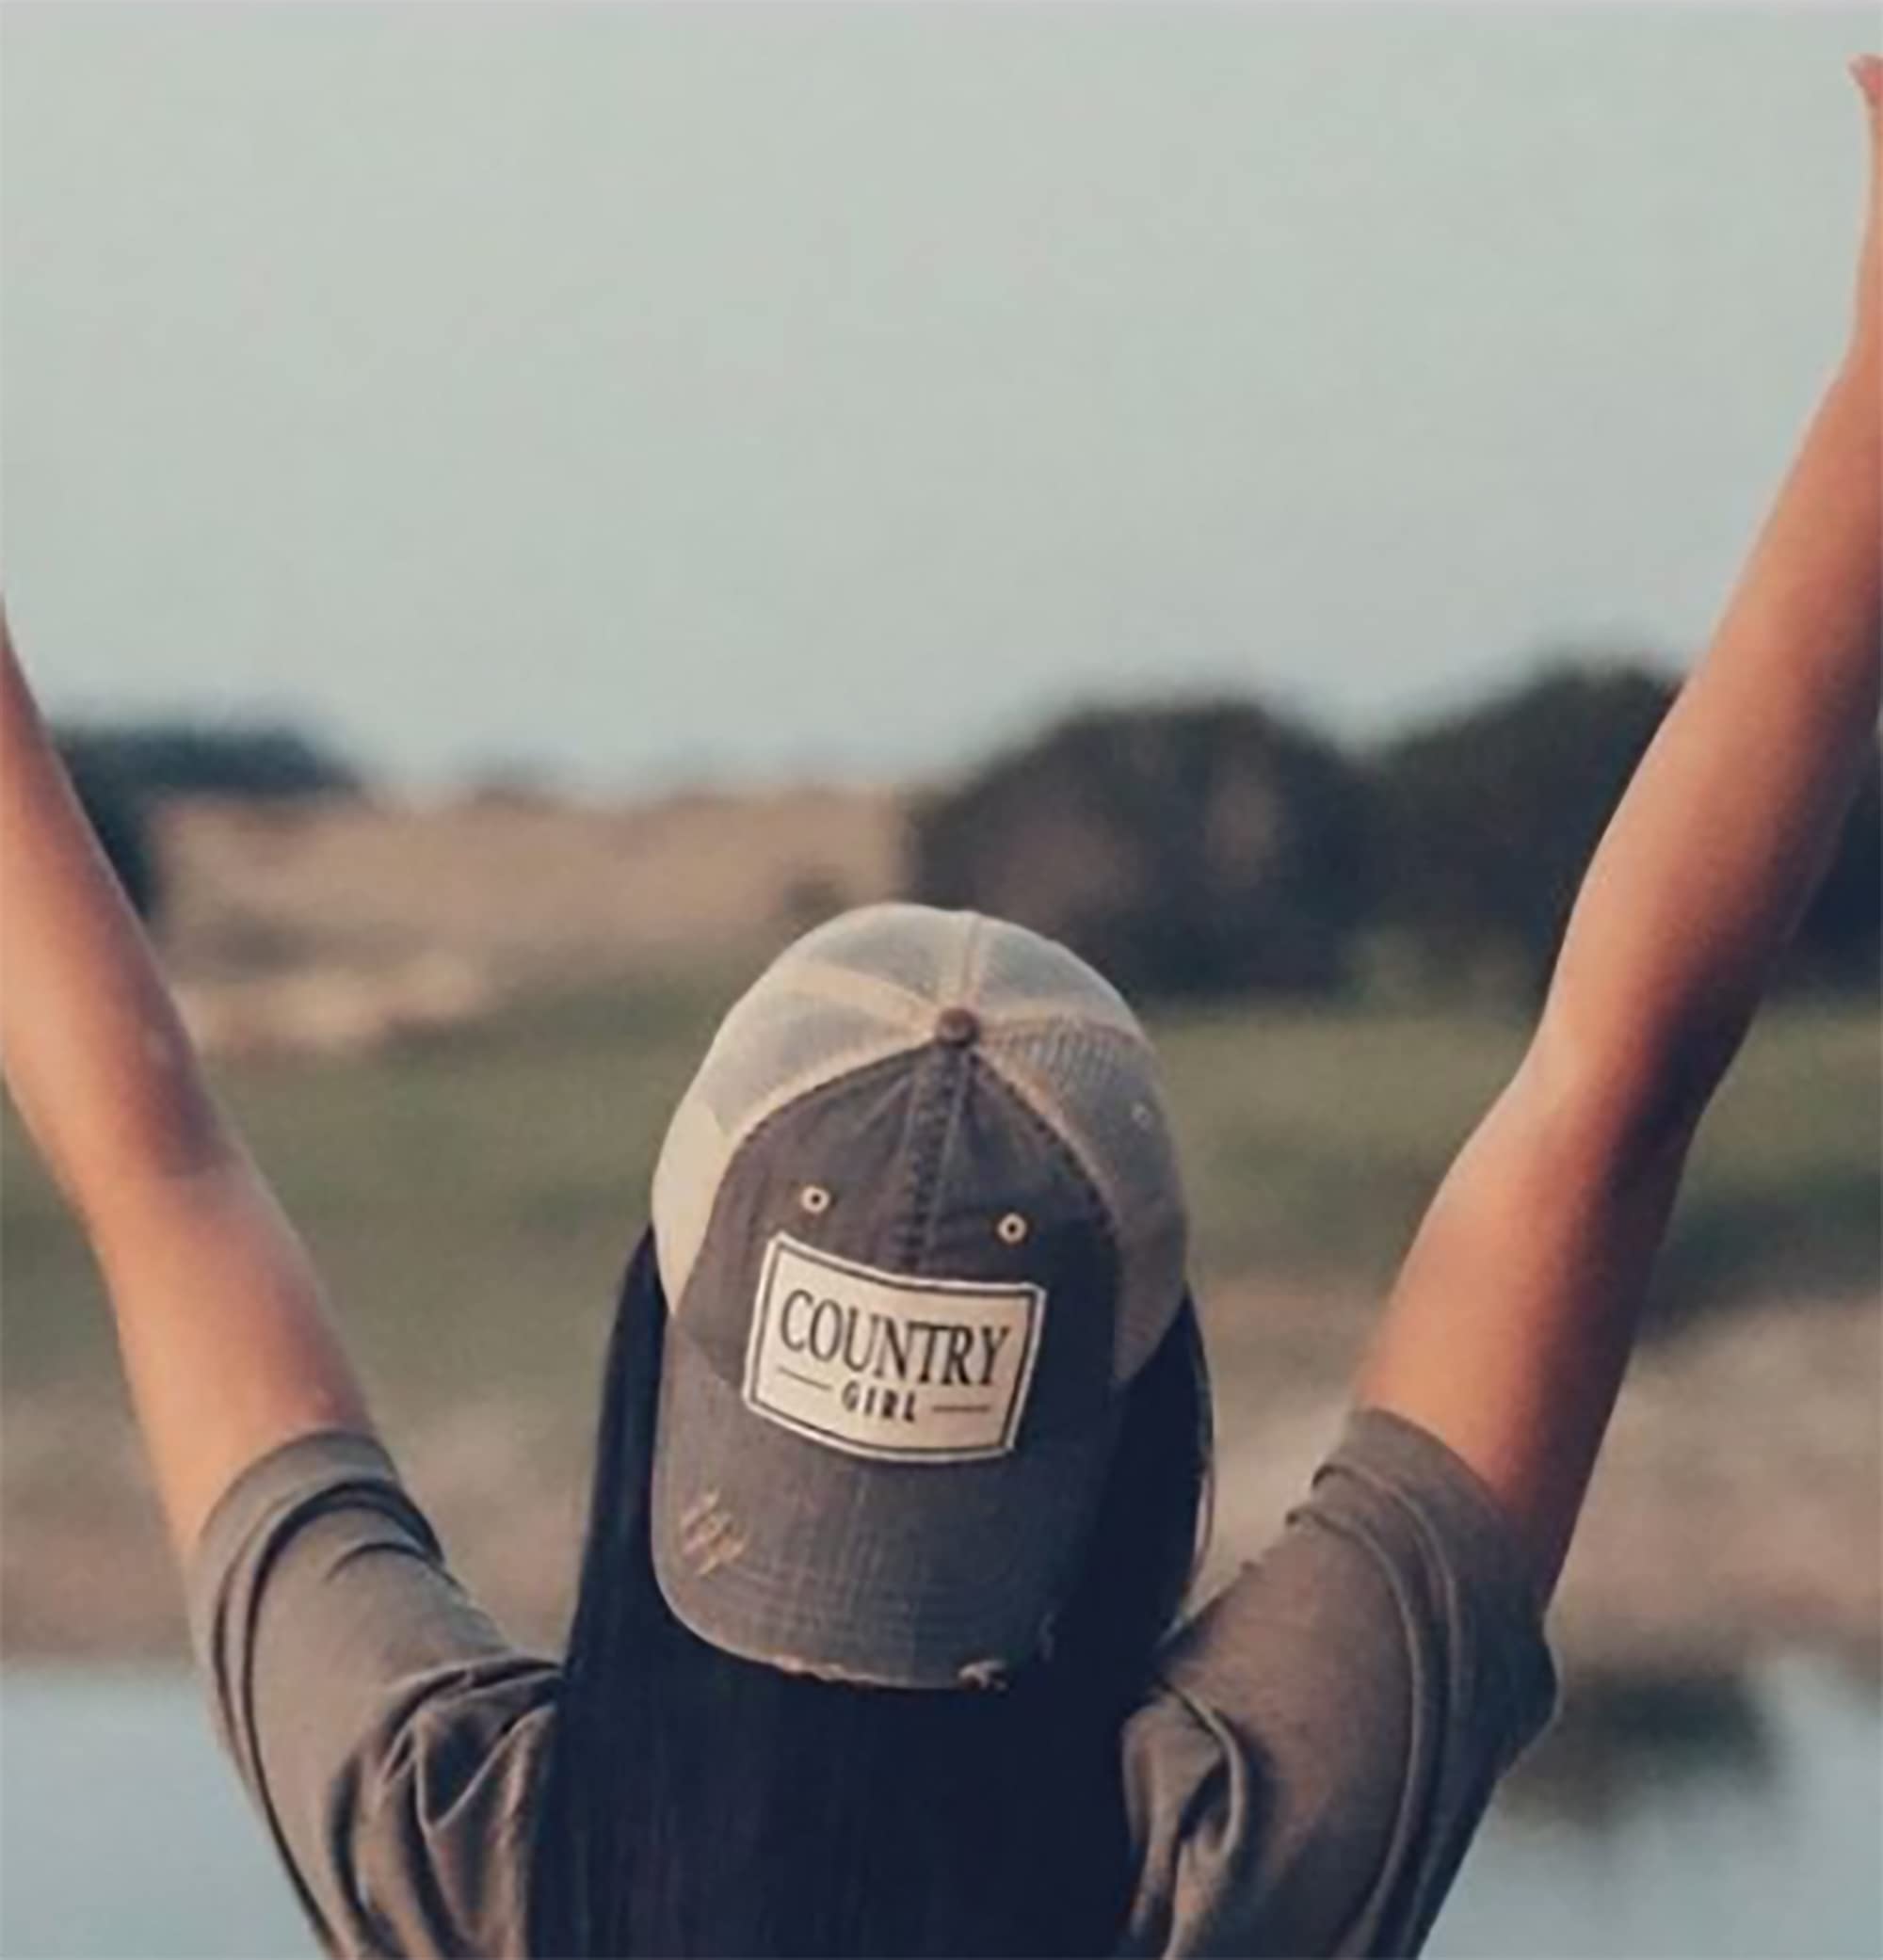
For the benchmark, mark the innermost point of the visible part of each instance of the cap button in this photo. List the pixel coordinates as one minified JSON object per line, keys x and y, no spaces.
{"x":956,"y":1026}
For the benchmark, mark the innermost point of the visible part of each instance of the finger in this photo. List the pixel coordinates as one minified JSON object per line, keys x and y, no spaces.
{"x":1867,"y":71}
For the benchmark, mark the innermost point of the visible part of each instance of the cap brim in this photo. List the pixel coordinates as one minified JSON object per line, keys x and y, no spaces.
{"x":789,"y":1552}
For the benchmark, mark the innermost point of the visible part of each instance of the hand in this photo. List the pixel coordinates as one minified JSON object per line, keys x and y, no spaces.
{"x":1867,"y":70}
{"x":15,"y":696}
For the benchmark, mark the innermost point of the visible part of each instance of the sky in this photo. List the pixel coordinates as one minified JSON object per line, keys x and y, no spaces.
{"x":652,"y":395}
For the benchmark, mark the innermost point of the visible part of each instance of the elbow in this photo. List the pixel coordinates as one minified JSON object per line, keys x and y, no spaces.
{"x":1642,"y":1096}
{"x":127,"y":1173}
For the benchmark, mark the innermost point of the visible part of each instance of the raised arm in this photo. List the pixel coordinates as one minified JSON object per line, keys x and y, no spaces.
{"x":1509,"y":1325}
{"x":225,"y":1341}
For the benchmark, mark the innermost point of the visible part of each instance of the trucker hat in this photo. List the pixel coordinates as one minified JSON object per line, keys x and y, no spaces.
{"x":919,"y":1226}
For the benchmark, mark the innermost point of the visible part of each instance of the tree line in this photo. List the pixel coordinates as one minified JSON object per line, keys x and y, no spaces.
{"x":1207,"y":847}
{"x":1221,"y":848}
{"x":122,"y":771}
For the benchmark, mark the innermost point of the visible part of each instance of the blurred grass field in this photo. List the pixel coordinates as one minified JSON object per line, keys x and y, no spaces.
{"x":471,"y":1200}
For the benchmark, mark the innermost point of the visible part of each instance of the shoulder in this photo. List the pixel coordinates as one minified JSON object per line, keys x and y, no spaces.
{"x":1324,"y":1734}
{"x":390,"y":1734}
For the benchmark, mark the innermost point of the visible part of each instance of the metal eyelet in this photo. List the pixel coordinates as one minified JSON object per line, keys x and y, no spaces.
{"x":1012,"y":1229}
{"x":813,"y":1201}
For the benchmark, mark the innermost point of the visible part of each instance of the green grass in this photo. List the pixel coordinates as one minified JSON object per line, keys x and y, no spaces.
{"x":1314,"y":1140}
{"x":471,"y":1200}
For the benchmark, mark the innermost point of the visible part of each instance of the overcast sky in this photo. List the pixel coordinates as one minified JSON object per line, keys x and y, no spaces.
{"x":654,"y":393}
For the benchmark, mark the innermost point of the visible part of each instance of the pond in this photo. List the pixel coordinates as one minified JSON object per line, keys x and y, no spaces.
{"x":1716,"y":1816}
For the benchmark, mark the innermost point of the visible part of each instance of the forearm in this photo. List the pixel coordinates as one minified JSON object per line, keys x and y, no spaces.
{"x":1736,"y":808}
{"x":227,"y":1343}
{"x":97,"y":1059}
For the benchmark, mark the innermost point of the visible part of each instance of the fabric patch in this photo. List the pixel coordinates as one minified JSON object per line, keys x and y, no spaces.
{"x":880,"y":1364}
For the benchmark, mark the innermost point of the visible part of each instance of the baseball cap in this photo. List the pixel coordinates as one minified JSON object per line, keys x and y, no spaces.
{"x":919,"y":1226}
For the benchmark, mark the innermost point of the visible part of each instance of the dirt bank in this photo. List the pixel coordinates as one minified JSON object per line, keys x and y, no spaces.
{"x":363,"y":883}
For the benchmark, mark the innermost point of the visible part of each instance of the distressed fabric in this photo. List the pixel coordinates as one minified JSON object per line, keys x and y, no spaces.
{"x":1305,"y":1778}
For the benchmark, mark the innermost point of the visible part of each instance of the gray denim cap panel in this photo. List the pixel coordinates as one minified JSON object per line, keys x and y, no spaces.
{"x":794,"y":1551}
{"x":899,"y":1575}
{"x":922,"y":1157}
{"x":1096,"y":1085}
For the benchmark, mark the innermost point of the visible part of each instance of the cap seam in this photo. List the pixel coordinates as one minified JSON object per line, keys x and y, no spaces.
{"x":1062,"y":1148}
{"x":998,"y":1024}
{"x":926,"y":1139}
{"x":974,"y":959}
{"x":737,"y":1141}
{"x":1072,"y":1157}
{"x":820,"y":980}
{"x":804,"y":1085}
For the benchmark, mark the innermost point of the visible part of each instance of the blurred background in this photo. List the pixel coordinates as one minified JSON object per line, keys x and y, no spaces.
{"x":517,"y":511}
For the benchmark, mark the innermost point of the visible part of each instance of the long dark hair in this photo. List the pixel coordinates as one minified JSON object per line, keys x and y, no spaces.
{"x":695,"y":1803}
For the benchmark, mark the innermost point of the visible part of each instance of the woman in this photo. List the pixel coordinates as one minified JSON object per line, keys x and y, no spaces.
{"x":903,"y":1444}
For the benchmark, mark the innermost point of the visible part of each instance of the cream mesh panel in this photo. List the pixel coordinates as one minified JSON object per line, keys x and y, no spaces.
{"x":1021,"y":974}
{"x":686,"y":1177}
{"x":915,"y":946}
{"x":778,"y":1042}
{"x":868,"y":984}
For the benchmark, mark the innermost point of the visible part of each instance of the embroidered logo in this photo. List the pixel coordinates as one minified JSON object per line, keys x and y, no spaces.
{"x":881,"y":1364}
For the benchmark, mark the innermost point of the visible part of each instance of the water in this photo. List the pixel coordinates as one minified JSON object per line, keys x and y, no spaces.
{"x":1745,"y":1823}
{"x":123,"y":1831}
{"x":1757,"y":1838}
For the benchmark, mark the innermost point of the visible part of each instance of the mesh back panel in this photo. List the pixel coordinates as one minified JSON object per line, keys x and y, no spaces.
{"x":1020,"y":974}
{"x":920,"y":950}
{"x":869,"y":985}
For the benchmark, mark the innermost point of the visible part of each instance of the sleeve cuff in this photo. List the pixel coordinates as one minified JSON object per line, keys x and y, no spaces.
{"x":296,"y":1476}
{"x":1411,"y":1466}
